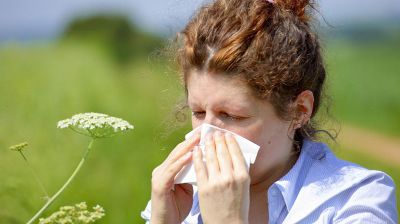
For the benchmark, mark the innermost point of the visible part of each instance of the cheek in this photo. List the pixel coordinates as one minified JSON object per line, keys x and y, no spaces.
{"x":266,"y":135}
{"x":254,"y":133}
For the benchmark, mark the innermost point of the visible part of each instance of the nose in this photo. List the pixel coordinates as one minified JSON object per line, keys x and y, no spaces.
{"x":212,"y":119}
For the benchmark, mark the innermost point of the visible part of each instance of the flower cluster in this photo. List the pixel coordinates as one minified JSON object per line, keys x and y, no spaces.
{"x":78,"y":213}
{"x":95,"y":125}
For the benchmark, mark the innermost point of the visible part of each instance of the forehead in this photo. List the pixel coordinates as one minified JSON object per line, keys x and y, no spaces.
{"x":205,"y":89}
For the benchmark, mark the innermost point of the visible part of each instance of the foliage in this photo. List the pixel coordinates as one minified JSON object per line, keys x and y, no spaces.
{"x":122,"y":40}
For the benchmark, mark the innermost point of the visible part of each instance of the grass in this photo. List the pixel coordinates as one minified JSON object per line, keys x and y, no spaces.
{"x":42,"y":84}
{"x":363,"y":79}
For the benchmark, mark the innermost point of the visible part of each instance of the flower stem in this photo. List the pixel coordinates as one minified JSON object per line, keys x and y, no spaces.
{"x":35,"y":175}
{"x":48,"y":203}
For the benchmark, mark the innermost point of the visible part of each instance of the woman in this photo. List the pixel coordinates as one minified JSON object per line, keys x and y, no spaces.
{"x":254,"y":67}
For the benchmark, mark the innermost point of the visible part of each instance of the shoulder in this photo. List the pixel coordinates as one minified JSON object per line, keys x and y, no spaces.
{"x":325,"y":169}
{"x":349,"y":190}
{"x":327,"y":173}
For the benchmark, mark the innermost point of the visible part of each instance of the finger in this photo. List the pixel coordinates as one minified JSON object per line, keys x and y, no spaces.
{"x":238,"y":160}
{"x":223,"y":155}
{"x":199,"y":167}
{"x":172,"y":170}
{"x":184,"y":147}
{"x":211,"y":157}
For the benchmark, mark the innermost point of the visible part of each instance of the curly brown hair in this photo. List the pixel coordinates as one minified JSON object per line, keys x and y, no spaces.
{"x":268,"y":44}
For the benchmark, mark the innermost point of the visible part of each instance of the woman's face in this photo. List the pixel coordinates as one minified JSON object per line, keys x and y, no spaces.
{"x":228,"y":103}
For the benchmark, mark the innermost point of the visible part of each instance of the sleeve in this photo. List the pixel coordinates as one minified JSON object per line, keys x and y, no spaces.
{"x":146,"y":213}
{"x":371,"y":201}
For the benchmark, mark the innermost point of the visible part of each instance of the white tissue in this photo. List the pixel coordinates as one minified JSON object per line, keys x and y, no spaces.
{"x":248,"y":148}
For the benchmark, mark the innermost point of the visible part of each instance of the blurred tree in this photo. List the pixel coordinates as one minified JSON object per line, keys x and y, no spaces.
{"x":113,"y":33}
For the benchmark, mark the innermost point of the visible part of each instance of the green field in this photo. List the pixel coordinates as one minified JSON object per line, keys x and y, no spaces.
{"x":41,"y":84}
{"x":364,"y":81}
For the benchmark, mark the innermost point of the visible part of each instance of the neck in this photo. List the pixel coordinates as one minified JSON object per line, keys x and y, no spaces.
{"x":275,"y":174}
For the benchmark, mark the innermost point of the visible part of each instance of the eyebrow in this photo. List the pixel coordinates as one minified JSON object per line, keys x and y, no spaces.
{"x":223,"y":106}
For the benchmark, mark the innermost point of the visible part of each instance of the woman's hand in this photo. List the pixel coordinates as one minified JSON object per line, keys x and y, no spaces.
{"x":168,"y":205}
{"x":224,"y":182}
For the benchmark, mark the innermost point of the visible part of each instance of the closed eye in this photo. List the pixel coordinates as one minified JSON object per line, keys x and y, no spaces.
{"x":230,"y":116}
{"x":198,"y":114}
{"x":223,"y":115}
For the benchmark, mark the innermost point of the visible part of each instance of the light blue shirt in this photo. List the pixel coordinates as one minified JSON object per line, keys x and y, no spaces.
{"x":320,"y":188}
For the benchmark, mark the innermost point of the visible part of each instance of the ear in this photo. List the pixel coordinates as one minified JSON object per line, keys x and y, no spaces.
{"x":304,"y":105}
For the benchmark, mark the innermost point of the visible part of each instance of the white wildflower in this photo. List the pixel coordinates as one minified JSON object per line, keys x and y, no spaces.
{"x":95,"y":125}
{"x":74,"y":214}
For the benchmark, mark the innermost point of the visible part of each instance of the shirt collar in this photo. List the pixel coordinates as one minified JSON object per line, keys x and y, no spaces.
{"x":290,"y":184}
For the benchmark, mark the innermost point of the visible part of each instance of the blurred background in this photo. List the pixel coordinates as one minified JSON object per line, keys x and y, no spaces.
{"x":59,"y":58}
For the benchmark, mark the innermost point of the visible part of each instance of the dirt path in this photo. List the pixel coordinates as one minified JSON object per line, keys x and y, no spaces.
{"x":375,"y":144}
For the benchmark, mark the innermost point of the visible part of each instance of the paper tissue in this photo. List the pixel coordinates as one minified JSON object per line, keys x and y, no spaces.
{"x":249,"y":149}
